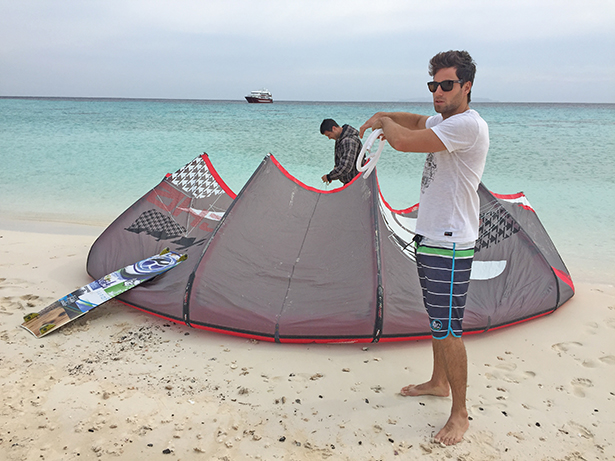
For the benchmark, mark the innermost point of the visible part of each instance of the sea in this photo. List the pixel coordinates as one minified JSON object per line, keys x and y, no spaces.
{"x":81,"y":160}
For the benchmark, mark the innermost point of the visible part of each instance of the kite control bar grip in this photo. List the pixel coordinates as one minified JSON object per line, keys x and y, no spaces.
{"x":370,"y":158}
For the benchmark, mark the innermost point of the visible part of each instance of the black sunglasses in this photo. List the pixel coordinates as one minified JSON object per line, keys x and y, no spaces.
{"x":447,"y":85}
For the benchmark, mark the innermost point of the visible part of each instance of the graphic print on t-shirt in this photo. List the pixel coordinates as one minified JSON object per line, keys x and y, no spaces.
{"x":429,"y":171}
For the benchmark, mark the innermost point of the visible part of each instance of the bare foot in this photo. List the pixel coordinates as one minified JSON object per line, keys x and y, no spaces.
{"x":453,"y":430}
{"x":428,"y":388}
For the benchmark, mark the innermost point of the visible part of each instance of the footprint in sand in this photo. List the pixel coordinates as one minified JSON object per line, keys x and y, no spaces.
{"x":608,"y":359}
{"x":579,"y":385}
{"x":507,"y":374}
{"x":8,"y":305}
{"x":592,"y":327}
{"x":506,"y":366}
{"x":610,"y":322}
{"x":569,"y":348}
{"x":576,"y":430}
{"x":28,"y":297}
{"x":582,"y":382}
{"x":565,"y":347}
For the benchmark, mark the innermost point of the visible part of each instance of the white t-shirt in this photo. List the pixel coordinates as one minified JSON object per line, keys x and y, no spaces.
{"x":449,"y":205}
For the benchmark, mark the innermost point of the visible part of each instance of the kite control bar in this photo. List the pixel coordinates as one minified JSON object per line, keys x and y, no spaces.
{"x":370,"y":158}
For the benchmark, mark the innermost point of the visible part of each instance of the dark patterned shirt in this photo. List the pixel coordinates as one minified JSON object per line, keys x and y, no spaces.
{"x":347,"y":149}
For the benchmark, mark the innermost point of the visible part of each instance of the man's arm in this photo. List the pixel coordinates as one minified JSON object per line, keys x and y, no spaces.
{"x":405,"y":132}
{"x":345,"y":165}
{"x":405,"y":119}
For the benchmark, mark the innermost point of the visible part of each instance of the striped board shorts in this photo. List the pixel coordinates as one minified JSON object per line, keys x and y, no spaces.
{"x":444,"y":272}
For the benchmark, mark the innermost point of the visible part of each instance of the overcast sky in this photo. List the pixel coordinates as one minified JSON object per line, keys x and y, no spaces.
{"x":305,"y":50}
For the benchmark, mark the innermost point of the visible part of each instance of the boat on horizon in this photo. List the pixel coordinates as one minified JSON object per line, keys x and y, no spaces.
{"x":260,"y":96}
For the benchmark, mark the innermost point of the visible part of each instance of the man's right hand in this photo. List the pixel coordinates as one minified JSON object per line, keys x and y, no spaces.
{"x":373,"y":123}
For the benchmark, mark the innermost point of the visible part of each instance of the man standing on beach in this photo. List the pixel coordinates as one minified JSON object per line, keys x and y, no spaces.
{"x":347,"y":149}
{"x":457,"y":141}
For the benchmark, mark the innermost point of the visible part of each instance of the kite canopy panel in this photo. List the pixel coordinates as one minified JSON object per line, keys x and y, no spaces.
{"x":281,"y":261}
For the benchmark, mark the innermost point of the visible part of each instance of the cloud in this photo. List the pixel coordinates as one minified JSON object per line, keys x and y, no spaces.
{"x":323,"y":20}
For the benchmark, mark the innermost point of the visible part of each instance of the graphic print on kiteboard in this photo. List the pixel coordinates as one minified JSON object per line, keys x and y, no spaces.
{"x":86,"y":298}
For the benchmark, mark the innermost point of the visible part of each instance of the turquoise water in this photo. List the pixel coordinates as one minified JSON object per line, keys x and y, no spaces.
{"x":86,"y":160}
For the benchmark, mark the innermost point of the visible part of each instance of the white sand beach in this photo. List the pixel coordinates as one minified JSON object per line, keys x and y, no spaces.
{"x":121,"y":384}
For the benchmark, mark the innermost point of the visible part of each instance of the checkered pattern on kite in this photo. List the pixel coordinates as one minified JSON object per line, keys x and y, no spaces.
{"x":495,"y":225}
{"x":154,"y":223}
{"x":196,"y":180}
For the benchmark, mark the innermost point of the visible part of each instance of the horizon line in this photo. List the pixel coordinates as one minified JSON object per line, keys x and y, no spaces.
{"x":399,"y":101}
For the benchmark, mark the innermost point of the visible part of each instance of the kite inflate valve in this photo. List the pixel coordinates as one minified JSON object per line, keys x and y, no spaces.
{"x":371,"y":158}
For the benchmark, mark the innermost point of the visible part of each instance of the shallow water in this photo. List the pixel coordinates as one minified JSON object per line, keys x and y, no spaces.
{"x":87,"y":160}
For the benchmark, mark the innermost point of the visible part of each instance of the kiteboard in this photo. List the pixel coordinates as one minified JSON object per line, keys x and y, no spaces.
{"x":86,"y":298}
